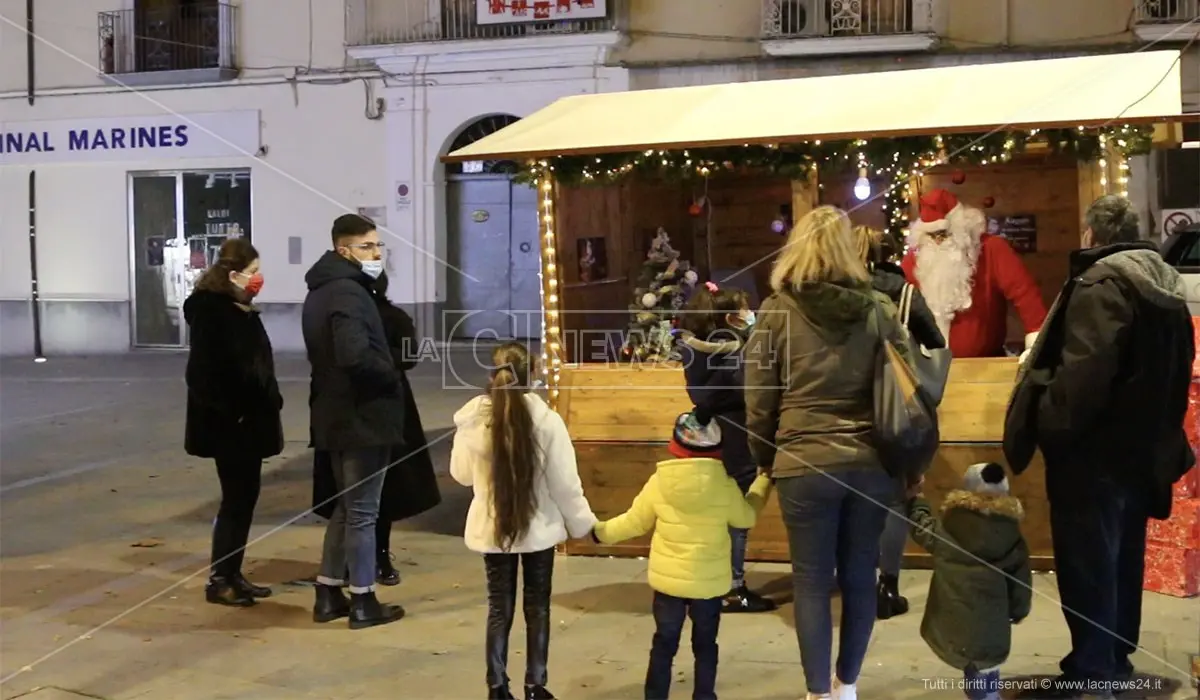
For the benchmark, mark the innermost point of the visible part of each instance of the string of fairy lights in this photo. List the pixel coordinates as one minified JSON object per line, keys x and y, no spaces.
{"x":548,"y":276}
{"x":899,"y":162}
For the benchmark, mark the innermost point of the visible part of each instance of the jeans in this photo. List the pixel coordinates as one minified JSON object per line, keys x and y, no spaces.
{"x":669,"y":613}
{"x":895,"y":536}
{"x":241,"y":480}
{"x":538,"y":568}
{"x":737,"y":555}
{"x":350,"y":535}
{"x":1099,"y":538}
{"x":979,"y":685}
{"x":833,"y":523}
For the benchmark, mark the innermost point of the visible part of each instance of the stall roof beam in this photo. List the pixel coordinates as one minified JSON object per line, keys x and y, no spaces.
{"x":1063,"y":92}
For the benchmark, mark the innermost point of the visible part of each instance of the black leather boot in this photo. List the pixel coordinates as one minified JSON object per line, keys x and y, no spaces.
{"x":331,"y":603}
{"x":239,"y":582}
{"x":890,"y":602}
{"x":223,"y":591}
{"x":500,"y":692}
{"x":366,"y":611}
{"x":744,"y":600}
{"x":538,"y":692}
{"x":385,"y":572}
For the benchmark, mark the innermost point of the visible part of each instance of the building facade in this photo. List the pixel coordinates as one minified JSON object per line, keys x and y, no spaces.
{"x":145,"y":132}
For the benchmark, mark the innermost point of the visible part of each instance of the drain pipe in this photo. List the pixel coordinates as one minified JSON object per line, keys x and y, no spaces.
{"x":29,"y":52}
{"x":38,"y":356}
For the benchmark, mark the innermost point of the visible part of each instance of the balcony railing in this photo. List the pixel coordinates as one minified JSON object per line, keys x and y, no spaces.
{"x":804,"y":19}
{"x":378,"y":22}
{"x":1166,"y":11}
{"x":200,"y":37}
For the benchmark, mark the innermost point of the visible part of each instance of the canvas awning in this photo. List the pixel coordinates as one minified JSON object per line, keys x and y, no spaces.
{"x":1061,"y":92}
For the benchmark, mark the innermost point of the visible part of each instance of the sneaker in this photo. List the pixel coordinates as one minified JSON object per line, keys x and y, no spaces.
{"x":744,"y":600}
{"x":844,"y":691}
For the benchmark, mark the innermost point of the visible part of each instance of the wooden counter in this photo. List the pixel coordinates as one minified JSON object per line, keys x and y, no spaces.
{"x":620,"y":418}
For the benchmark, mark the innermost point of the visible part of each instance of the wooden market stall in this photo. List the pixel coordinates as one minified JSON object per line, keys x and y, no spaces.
{"x":1032,"y":142}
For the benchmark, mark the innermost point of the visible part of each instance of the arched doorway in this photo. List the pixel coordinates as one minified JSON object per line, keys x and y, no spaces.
{"x":492,"y":238}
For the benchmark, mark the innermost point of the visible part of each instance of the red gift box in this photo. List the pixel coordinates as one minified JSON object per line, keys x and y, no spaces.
{"x":1188,"y":486}
{"x":1172,"y":571}
{"x":1196,"y":336}
{"x":1182,"y":530}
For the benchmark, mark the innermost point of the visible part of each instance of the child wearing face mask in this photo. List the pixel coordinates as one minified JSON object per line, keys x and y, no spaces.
{"x":713,"y":329}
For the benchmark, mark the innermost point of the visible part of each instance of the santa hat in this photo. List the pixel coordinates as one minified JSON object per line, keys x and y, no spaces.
{"x":689,"y":440}
{"x":936,"y":206}
{"x":986,"y":477}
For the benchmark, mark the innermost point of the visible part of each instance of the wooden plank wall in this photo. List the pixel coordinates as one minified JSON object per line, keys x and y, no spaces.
{"x":619,"y":419}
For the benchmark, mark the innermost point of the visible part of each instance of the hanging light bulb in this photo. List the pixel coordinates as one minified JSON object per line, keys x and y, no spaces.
{"x":862,"y":186}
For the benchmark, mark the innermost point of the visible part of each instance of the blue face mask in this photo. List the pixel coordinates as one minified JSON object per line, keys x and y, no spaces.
{"x":373,"y":268}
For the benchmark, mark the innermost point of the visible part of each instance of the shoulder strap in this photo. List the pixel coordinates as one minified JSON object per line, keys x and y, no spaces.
{"x":906,"y":295}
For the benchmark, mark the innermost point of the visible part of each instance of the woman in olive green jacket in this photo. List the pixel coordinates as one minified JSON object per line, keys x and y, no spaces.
{"x":981,"y":582}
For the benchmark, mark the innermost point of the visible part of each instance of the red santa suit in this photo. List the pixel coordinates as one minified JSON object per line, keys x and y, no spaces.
{"x":969,"y":278}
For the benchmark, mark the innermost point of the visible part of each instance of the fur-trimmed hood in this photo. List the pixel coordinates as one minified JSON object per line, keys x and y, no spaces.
{"x":985,"y":526}
{"x":985,"y":504}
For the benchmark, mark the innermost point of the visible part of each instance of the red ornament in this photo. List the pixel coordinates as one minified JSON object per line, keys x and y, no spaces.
{"x":989,"y":202}
{"x":696,"y":209}
{"x":958,"y":177}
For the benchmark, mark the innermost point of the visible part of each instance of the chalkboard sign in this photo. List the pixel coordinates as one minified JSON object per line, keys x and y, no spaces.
{"x":1020,"y":230}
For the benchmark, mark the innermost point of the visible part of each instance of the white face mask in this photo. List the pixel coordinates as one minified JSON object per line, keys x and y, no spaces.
{"x":373,"y":268}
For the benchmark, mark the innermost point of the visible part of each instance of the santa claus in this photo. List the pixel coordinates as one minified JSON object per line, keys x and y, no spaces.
{"x":969,"y":277}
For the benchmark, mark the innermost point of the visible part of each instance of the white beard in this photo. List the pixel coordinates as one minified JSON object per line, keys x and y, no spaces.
{"x":946,"y":274}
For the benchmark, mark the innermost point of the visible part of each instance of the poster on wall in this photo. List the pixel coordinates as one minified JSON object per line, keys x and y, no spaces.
{"x":1020,"y":230}
{"x":517,"y":11}
{"x":1174,"y":219}
{"x":593,"y":259}
{"x":403,"y":195}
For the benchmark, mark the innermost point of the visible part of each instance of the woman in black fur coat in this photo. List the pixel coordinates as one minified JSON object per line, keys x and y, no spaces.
{"x":233,"y":407}
{"x":410,"y":485}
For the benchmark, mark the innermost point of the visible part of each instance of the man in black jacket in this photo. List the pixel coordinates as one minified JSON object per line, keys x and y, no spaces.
{"x":357,"y":414}
{"x":1104,"y":396}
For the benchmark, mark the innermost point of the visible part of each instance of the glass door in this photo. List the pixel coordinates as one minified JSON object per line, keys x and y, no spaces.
{"x":179,"y":222}
{"x":158,"y":260}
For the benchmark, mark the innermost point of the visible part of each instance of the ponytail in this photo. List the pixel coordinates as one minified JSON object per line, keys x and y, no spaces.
{"x":514,"y":450}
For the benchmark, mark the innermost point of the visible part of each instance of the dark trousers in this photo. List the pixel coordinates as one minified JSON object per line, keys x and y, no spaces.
{"x":833,"y":523}
{"x":669,"y":614}
{"x":538,"y":569}
{"x":1099,"y":537}
{"x":383,"y":535}
{"x":241,"y":480}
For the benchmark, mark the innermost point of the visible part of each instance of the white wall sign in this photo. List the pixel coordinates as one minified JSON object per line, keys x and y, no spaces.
{"x":142,"y":138}
{"x":1177,"y":218}
{"x":511,"y":11}
{"x":403,"y":195}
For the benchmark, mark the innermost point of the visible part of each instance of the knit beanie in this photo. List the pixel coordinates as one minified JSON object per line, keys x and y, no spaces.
{"x":986,"y":477}
{"x":689,"y":443}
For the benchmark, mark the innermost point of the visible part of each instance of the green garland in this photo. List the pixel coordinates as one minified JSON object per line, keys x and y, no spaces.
{"x":897,"y":158}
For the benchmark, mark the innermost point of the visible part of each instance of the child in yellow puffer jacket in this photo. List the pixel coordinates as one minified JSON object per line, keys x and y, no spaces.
{"x":690,"y":502}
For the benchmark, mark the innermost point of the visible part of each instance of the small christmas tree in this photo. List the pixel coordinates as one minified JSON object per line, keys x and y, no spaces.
{"x":661,"y":291}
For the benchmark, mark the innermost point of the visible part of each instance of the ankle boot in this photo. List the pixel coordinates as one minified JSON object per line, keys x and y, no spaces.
{"x":331,"y":603}
{"x":239,"y":582}
{"x":221,"y":591}
{"x":500,"y":692}
{"x":889,"y":602}
{"x":538,"y":692}
{"x":367,"y":611}
{"x":385,"y":572}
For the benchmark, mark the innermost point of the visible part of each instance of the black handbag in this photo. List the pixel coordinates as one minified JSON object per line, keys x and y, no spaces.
{"x":906,"y":398}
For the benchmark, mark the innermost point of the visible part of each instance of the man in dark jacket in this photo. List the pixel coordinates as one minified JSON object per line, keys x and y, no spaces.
{"x":1104,"y":396}
{"x":357,"y":414}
